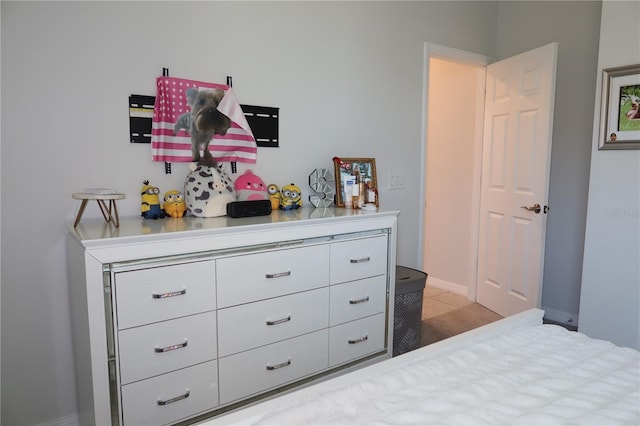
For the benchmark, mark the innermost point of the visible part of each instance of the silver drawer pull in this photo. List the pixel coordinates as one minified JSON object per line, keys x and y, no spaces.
{"x":278,"y":275}
{"x":172,"y":400}
{"x":280,"y":321}
{"x":361,"y":260}
{"x":170,"y":348}
{"x":355,"y":302}
{"x":360,"y":340}
{"x":275,"y":367}
{"x":169,"y":294}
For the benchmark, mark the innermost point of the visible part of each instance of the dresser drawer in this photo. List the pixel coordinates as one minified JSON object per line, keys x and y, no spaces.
{"x":150,"y":295}
{"x":252,"y":277}
{"x":356,"y":259}
{"x":270,"y":366}
{"x":260,"y":323}
{"x":356,"y":339}
{"x":166,"y":346}
{"x":171,"y":397}
{"x":357,"y":299}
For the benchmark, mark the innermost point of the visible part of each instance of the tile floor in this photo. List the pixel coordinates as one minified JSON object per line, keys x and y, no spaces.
{"x":437,"y":302}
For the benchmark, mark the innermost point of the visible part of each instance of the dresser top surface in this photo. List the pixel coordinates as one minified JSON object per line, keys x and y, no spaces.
{"x":136,"y":228}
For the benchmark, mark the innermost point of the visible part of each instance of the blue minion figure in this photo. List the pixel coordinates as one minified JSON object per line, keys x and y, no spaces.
{"x":290,"y":197}
{"x":150,"y":206}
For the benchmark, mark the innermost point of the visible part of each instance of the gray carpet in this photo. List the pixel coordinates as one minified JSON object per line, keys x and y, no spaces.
{"x":455,"y":322}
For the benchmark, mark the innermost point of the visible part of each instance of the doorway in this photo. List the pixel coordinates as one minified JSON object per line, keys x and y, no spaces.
{"x":485,"y":174}
{"x":452,"y":167}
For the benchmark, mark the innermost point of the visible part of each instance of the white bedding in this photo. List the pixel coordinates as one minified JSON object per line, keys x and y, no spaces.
{"x":534,"y":376}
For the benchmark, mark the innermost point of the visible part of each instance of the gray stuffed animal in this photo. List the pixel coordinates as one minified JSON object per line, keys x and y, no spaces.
{"x":203,"y":121}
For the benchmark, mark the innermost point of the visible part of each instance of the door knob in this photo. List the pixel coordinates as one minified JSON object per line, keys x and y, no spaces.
{"x":535,"y":208}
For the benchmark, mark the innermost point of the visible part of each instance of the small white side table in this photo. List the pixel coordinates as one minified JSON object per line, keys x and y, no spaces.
{"x":109,"y":211}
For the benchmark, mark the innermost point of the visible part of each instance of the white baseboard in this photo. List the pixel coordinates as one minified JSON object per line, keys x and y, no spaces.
{"x":448,"y":286}
{"x":70,"y":420}
{"x":560,"y":316}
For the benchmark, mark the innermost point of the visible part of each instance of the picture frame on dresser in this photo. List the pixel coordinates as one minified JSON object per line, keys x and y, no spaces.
{"x":345,"y":167}
{"x":620,"y":108}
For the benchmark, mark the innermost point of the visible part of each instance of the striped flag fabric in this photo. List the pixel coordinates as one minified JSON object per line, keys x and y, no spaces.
{"x":238,"y":144}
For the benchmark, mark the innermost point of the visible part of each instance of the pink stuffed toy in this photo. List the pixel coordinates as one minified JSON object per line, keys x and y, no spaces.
{"x":250,"y":187}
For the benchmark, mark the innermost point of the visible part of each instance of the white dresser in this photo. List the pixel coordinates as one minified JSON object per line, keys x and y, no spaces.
{"x":179,"y":319}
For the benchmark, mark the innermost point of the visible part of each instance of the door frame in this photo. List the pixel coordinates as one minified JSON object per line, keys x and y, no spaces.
{"x":432,"y":50}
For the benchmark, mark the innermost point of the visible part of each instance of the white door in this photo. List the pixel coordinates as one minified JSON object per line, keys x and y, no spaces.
{"x":518,"y":125}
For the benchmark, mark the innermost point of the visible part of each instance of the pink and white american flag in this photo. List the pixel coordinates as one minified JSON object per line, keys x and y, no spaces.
{"x":237,"y":145}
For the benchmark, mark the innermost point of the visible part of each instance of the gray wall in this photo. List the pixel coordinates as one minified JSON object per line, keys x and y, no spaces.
{"x":610,"y":298}
{"x":347,"y":77}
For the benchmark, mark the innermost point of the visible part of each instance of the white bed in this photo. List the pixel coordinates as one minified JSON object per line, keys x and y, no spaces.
{"x":513,"y":371}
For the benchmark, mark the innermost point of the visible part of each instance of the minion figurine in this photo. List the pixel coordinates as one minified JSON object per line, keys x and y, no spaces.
{"x":174,"y":204}
{"x":150,"y":206}
{"x":290,"y":197}
{"x":274,"y":195}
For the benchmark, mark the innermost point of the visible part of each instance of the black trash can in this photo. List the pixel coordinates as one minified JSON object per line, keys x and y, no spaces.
{"x":407,"y":317}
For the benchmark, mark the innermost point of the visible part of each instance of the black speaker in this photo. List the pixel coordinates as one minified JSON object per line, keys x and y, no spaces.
{"x":249,"y":208}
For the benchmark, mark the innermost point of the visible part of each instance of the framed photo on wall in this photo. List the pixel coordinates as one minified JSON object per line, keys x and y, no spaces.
{"x":345,"y":167}
{"x":620,"y":109}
